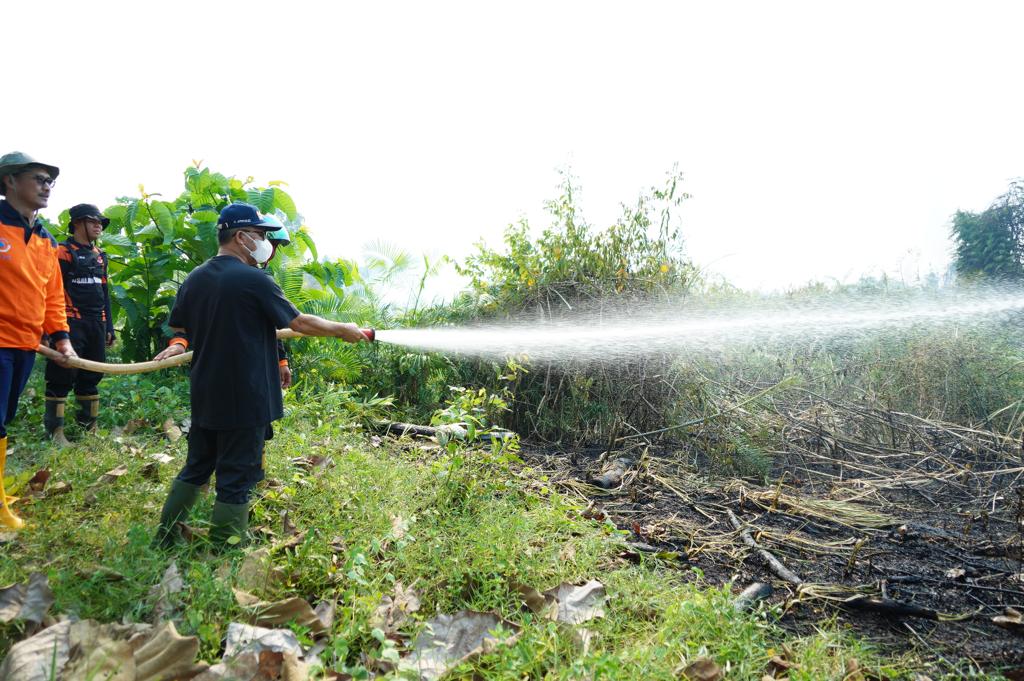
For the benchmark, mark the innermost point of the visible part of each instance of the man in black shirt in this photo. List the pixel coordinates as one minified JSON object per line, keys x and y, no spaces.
{"x":230,"y":311}
{"x":83,"y":268}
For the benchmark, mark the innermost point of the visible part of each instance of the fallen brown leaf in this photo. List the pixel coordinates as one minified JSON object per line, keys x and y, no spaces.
{"x":38,"y":481}
{"x":57,"y":489}
{"x":703,"y":669}
{"x":171,"y":430}
{"x":27,"y":602}
{"x":450,"y":639}
{"x":133,"y":425}
{"x":165,"y":594}
{"x":293,"y":609}
{"x":1012,"y":619}
{"x":112,"y":475}
{"x":258,"y":575}
{"x":394,"y":610}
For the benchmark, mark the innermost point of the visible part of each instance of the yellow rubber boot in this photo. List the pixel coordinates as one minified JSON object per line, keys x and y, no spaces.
{"x":7,"y":518}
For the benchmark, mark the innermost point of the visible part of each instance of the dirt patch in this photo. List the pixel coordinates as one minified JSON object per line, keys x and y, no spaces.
{"x":860,"y":503}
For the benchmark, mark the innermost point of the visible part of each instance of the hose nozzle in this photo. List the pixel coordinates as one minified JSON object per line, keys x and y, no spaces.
{"x":371,"y":334}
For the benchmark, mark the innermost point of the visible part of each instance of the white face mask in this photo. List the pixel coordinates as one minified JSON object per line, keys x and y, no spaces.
{"x":263,"y":250}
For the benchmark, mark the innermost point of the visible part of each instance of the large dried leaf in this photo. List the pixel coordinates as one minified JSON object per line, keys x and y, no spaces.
{"x":578,"y":604}
{"x":167,"y":655}
{"x":394,"y":610}
{"x":99,"y":652}
{"x":165,"y":593}
{"x":247,"y":637}
{"x":250,"y":665}
{"x":112,"y":652}
{"x":258,"y":574}
{"x":40,"y":657}
{"x":448,"y":640}
{"x":294,"y":609}
{"x":27,"y":602}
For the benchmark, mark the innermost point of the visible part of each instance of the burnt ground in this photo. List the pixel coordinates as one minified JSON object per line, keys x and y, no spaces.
{"x":871,"y":510}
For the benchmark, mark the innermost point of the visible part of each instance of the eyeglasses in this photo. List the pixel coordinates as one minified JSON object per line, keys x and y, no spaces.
{"x":256,"y":236}
{"x":44,"y":180}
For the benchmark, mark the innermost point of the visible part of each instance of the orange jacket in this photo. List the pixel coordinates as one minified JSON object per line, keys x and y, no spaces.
{"x":31,"y":288}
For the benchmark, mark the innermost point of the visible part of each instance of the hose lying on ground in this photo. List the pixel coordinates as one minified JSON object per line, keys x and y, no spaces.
{"x":135,"y":367}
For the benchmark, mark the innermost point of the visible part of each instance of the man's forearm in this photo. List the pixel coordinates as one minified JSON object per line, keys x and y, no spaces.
{"x":311,"y":325}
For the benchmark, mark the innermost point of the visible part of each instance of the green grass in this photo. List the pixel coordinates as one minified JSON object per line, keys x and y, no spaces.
{"x":476,"y":526}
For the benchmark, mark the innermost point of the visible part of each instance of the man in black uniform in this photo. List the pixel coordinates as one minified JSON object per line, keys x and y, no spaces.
{"x":83,"y":268}
{"x":230,"y":312}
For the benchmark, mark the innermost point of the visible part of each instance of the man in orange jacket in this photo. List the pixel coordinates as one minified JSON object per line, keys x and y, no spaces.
{"x":31,"y":290}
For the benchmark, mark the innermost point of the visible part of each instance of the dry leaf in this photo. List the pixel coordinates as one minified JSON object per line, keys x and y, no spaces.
{"x":955,"y":573}
{"x":161,"y":458}
{"x":243,"y":636}
{"x":325,"y":613}
{"x":280,"y":612}
{"x":133,"y":425}
{"x":394,"y":610}
{"x":58,"y":489}
{"x":853,"y":671}
{"x":1012,"y":619}
{"x":265,"y":665}
{"x":26,"y":602}
{"x":537,"y":602}
{"x":151,"y":471}
{"x":112,"y":475}
{"x":577,"y":604}
{"x":38,"y":481}
{"x":258,"y":574}
{"x":167,"y":655}
{"x":450,"y":639}
{"x":287,"y":526}
{"x":703,"y":669}
{"x":164,"y":593}
{"x":399,"y":527}
{"x":779,"y":666}
{"x":171,"y":430}
{"x":40,"y":657}
{"x":114,"y":652}
{"x":291,"y":542}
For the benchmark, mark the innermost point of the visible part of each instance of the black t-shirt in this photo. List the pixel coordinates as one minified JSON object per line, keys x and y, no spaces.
{"x":230,"y":312}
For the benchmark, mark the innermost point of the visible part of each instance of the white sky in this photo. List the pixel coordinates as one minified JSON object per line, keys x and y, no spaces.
{"x":821,"y":140}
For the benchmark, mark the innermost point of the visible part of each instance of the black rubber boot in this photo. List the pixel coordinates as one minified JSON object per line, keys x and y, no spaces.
{"x":53,"y":420}
{"x":88,"y":411}
{"x":180,"y":499}
{"x":229,"y":520}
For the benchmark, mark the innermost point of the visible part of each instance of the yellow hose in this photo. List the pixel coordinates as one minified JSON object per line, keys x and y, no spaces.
{"x":135,"y":367}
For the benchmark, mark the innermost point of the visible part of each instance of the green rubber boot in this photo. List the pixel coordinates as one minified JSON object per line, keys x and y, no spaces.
{"x":180,"y":499}
{"x":229,"y":520}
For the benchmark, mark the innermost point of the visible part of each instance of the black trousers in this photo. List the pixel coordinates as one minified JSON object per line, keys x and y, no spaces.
{"x":236,"y":456}
{"x":89,"y":339}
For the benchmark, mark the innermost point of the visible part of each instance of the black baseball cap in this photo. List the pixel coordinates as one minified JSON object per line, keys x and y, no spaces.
{"x":242,"y":215}
{"x":87,"y":210}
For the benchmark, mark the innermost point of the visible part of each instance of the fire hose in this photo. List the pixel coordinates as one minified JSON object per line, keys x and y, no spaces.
{"x":144,"y":367}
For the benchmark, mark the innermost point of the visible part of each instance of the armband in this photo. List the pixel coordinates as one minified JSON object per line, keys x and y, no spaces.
{"x":283,"y":362}
{"x":178,"y":340}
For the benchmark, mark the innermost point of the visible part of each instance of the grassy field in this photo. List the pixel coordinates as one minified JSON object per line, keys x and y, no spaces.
{"x":463,"y":526}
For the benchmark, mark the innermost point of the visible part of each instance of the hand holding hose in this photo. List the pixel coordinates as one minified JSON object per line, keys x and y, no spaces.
{"x":170,"y":351}
{"x":65,"y":348}
{"x":311,"y":325}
